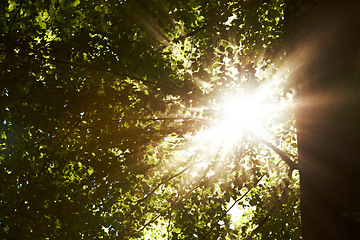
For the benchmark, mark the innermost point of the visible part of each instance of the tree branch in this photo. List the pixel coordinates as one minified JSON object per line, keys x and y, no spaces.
{"x":16,"y":14}
{"x":279,"y":201}
{"x":175,"y":119}
{"x":237,"y":200}
{"x":145,"y":225}
{"x":164,"y":182}
{"x":170,"y":207}
{"x":46,"y":163}
{"x":293,"y":165}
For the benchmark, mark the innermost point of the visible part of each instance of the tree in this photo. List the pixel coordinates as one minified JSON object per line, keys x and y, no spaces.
{"x":323,"y":36}
{"x":102,"y":102}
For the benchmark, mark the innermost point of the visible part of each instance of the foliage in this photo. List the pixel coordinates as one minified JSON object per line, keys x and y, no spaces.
{"x":99,"y":100}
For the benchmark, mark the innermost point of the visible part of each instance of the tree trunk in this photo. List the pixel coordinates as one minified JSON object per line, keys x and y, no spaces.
{"x":324,"y":47}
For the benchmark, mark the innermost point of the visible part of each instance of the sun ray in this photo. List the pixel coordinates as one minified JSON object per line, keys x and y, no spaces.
{"x":239,"y":112}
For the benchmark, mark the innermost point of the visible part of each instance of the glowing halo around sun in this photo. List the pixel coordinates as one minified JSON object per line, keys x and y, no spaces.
{"x":245,"y":113}
{"x":241,"y":113}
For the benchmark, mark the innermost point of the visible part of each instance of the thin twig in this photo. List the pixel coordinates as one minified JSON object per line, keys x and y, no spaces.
{"x":174,"y":119}
{"x":163,"y":182}
{"x":146,"y":224}
{"x":16,"y":14}
{"x":170,"y":207}
{"x":279,"y":200}
{"x":46,"y":163}
{"x":237,"y":200}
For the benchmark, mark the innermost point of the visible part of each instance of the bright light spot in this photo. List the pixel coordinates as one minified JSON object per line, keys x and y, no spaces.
{"x":106,"y":229}
{"x":239,"y":214}
{"x":241,"y":113}
{"x":235,"y":112}
{"x":235,"y":115}
{"x":235,"y":211}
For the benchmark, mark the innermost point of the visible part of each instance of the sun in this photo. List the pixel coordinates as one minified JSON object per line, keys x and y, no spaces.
{"x":248,"y":103}
{"x":241,"y":113}
{"x":237,"y":114}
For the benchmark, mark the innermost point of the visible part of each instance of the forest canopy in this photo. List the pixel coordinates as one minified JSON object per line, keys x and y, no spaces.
{"x":157,"y":119}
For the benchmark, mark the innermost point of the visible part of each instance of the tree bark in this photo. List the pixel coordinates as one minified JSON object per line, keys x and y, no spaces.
{"x":323,"y":46}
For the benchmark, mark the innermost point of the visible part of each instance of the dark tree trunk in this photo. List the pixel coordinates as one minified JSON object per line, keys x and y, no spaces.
{"x":323,"y":41}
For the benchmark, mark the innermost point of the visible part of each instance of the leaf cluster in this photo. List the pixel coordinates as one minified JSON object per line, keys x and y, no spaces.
{"x":98,"y":100}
